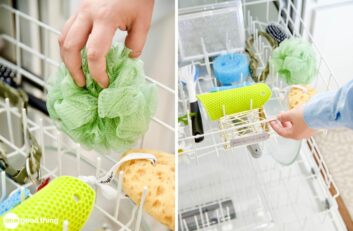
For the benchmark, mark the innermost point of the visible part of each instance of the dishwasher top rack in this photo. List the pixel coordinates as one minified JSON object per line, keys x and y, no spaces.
{"x":61,"y":156}
{"x":325,"y":80}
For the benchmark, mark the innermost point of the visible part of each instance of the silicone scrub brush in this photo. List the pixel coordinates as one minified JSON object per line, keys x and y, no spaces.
{"x":64,"y":199}
{"x":219,"y":103}
{"x":188,"y":74}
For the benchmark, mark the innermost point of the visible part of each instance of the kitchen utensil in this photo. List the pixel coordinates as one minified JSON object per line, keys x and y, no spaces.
{"x":187,"y":74}
{"x":277,"y":31}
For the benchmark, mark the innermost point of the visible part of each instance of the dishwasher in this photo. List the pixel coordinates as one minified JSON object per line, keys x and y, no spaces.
{"x":33,"y":56}
{"x":222,"y":185}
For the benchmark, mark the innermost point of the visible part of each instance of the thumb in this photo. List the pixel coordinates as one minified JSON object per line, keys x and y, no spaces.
{"x":284,"y":116}
{"x":136,"y":38}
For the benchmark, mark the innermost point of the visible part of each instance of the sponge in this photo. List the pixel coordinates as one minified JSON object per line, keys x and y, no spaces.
{"x":231,"y":68}
{"x":298,"y":96}
{"x":235,"y":100}
{"x":160,"y":181}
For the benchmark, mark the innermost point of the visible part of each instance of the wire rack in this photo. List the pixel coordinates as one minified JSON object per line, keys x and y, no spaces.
{"x":265,"y":195}
{"x":61,"y":156}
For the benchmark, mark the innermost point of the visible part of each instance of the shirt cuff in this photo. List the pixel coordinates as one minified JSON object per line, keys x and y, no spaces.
{"x":317,"y":112}
{"x":309,"y":117}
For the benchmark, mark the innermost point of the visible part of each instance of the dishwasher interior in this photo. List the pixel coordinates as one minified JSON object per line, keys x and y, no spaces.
{"x":60,"y":155}
{"x":221,"y":185}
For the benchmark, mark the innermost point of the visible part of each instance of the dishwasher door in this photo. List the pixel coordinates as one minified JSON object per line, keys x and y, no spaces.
{"x":221,"y":185}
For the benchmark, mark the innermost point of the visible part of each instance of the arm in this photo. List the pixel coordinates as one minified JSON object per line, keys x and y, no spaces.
{"x":328,"y":110}
{"x":334,"y":109}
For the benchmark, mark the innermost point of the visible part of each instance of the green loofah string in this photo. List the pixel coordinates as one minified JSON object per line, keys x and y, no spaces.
{"x":104,"y":119}
{"x":295,"y":61}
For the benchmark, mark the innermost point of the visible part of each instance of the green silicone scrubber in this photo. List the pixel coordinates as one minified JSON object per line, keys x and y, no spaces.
{"x":65,"y":198}
{"x":235,"y":100}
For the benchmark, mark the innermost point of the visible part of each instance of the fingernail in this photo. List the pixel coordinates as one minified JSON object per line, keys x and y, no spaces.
{"x":135,"y":54}
{"x":80,"y":83}
{"x":103,"y":84}
{"x":79,"y":79}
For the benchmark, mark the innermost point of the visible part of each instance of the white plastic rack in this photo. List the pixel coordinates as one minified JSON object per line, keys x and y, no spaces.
{"x":266,"y":195}
{"x":60,"y":155}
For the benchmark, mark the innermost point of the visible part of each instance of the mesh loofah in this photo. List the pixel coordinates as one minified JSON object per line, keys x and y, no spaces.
{"x":65,"y":198}
{"x":104,"y":119}
{"x":235,"y":100}
{"x":13,"y":200}
{"x":295,"y":61}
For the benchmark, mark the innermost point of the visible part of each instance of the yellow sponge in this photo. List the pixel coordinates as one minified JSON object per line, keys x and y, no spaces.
{"x":235,"y":100}
{"x":160,"y":181}
{"x":65,"y":198}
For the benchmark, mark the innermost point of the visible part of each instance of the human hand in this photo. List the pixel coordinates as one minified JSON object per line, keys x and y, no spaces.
{"x":291,"y":124}
{"x":94,"y":25}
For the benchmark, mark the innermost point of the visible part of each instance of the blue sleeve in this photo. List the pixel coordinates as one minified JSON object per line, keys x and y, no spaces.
{"x":332,"y":109}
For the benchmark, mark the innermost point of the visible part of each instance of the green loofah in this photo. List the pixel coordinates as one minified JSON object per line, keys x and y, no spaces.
{"x":104,"y":119}
{"x":295,"y":61}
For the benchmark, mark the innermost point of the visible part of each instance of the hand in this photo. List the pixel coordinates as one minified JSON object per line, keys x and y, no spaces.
{"x":94,"y":25}
{"x":291,"y":124}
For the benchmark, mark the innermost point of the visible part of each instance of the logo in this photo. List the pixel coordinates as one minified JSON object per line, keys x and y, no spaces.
{"x":11,"y":221}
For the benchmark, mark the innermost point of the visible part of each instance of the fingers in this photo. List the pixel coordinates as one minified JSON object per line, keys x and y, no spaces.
{"x":283,"y":126}
{"x":75,"y":40}
{"x":286,"y":124}
{"x":64,"y":31}
{"x":281,"y":130}
{"x":136,"y":38}
{"x":98,"y":46}
{"x":285,"y":116}
{"x":138,"y":31}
